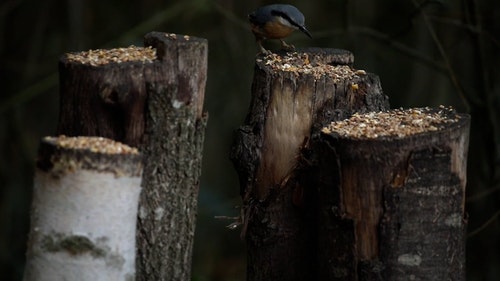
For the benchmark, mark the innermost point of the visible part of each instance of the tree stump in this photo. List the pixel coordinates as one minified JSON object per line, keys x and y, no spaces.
{"x":84,"y":210}
{"x":391,"y":193}
{"x":293,"y":95}
{"x":151,"y":98}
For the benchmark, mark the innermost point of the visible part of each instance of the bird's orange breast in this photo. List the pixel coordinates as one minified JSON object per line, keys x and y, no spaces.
{"x":276,"y":30}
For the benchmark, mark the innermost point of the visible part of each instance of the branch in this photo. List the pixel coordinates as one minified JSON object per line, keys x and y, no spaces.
{"x":449,"y":68}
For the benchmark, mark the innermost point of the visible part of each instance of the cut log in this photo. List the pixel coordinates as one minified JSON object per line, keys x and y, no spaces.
{"x":391,"y":193}
{"x":84,"y":211}
{"x":293,"y":95}
{"x":151,"y":98}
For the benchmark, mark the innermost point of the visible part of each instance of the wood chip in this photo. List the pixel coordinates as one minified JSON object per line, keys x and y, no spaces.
{"x":394,"y":123}
{"x":171,"y":36}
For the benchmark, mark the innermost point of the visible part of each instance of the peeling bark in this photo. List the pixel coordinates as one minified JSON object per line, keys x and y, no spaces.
{"x":393,"y":208}
{"x":287,"y":108}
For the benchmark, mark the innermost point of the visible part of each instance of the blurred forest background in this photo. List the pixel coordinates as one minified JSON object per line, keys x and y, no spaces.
{"x":427,"y":53}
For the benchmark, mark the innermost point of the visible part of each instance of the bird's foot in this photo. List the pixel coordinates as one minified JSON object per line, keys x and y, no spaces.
{"x":263,"y":51}
{"x":287,"y":47}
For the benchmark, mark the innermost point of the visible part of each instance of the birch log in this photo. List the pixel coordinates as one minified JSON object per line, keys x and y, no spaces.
{"x":84,"y":210}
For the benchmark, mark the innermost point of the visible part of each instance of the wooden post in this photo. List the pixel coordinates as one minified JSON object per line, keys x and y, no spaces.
{"x":152,"y":99}
{"x":293,"y":95}
{"x":84,"y":210}
{"x":391,"y":189}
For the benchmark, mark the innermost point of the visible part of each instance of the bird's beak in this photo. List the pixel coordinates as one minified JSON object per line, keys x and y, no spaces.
{"x":303,"y":29}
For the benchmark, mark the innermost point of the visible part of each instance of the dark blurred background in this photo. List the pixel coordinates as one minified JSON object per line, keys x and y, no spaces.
{"x":427,"y":53}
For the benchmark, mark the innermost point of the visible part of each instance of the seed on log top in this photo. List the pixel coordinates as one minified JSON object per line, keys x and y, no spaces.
{"x":93,"y":144}
{"x":174,"y":36}
{"x":117,"y":55}
{"x":394,"y":123}
{"x":301,"y":63}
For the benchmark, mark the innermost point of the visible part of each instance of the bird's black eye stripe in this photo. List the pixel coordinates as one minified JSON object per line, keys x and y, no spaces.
{"x":285,"y":16}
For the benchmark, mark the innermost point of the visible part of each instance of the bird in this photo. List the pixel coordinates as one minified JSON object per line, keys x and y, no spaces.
{"x":276,"y":21}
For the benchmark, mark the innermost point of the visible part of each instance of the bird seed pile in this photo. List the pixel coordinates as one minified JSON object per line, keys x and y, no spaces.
{"x":299,"y":63}
{"x":93,"y":144}
{"x":394,"y":123}
{"x":117,"y":55}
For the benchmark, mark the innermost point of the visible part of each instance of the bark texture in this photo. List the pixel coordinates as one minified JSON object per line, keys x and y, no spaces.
{"x":287,"y":107}
{"x":393,"y":208}
{"x":158,"y":107}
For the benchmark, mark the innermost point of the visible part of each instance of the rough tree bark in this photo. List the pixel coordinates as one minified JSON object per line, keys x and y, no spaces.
{"x":84,"y":211}
{"x":293,"y":95}
{"x":392,"y":207}
{"x":156,"y":105}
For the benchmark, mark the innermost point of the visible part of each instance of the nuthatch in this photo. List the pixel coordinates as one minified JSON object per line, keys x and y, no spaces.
{"x":276,"y":22}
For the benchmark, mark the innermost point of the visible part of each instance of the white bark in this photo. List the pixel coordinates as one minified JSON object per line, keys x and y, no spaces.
{"x":82,"y":226}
